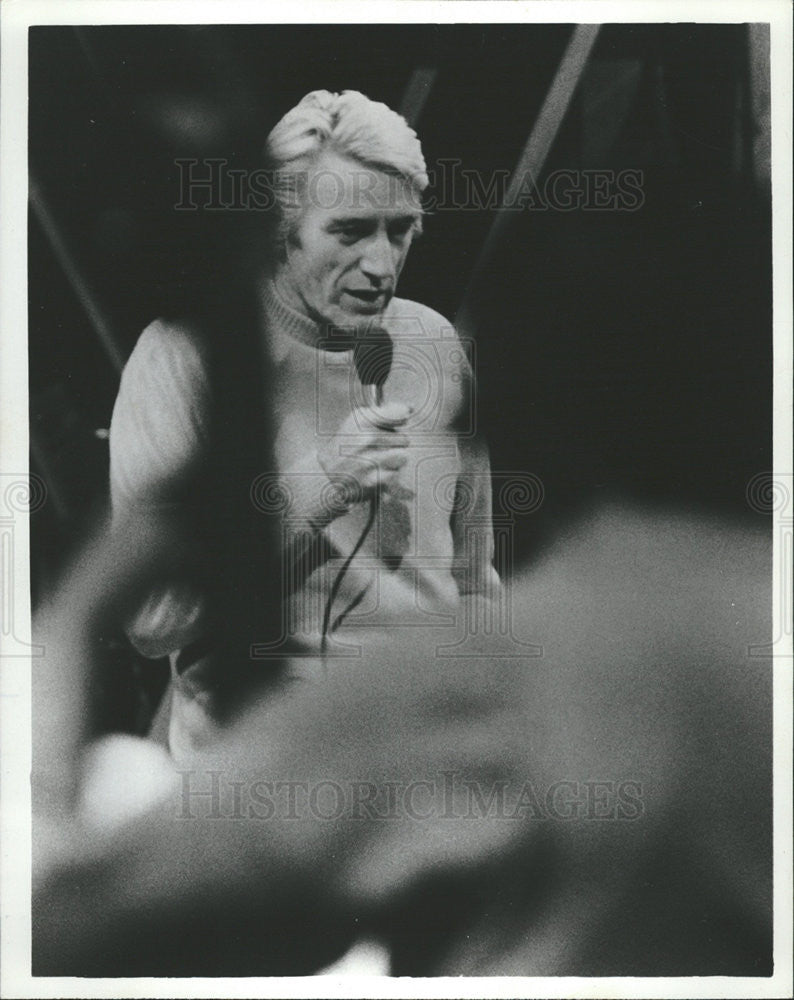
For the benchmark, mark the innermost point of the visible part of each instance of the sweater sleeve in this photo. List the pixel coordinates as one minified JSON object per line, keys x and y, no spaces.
{"x":472,"y":517}
{"x":472,"y":522}
{"x":159,"y":431}
{"x":159,"y":436}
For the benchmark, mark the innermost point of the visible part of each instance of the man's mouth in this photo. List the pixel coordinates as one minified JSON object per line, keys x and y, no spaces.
{"x":370,"y":297}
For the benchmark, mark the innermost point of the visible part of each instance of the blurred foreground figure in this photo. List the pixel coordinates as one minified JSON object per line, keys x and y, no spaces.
{"x":603,"y":808}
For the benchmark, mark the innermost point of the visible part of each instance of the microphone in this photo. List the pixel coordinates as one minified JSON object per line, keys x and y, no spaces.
{"x":372,"y":356}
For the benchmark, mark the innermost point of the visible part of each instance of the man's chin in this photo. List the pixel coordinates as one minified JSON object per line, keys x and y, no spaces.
{"x":359,"y":318}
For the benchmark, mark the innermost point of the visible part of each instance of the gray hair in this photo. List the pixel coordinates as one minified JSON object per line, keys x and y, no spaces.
{"x":349,"y":124}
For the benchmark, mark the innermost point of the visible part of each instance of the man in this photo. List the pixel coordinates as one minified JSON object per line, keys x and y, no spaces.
{"x":381,"y":483}
{"x":602,"y":809}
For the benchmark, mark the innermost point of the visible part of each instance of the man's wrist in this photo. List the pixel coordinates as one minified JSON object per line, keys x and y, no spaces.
{"x":317,"y":495}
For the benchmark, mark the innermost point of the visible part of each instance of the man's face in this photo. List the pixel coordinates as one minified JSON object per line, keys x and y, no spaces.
{"x":354,"y":234}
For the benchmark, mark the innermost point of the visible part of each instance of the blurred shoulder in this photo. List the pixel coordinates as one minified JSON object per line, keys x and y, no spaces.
{"x":660,"y":577}
{"x":161,"y":420}
{"x":169,"y":347}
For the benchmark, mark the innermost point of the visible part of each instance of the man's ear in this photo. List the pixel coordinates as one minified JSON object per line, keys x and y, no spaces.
{"x":291,"y":235}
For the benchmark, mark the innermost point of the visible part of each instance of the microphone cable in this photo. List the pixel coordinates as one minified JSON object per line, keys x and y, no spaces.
{"x":373,"y":509}
{"x":372,"y":357}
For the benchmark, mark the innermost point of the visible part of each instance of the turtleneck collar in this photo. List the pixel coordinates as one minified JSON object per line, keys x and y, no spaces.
{"x":287,"y":320}
{"x":284,"y":320}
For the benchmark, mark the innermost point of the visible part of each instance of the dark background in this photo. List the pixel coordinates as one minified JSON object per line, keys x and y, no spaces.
{"x":616,"y":351}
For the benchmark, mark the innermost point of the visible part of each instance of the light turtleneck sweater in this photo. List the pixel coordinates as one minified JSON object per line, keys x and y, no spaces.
{"x":431,"y":540}
{"x":420,"y":555}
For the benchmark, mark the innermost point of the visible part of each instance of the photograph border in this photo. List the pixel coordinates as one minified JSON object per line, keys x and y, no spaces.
{"x":15,"y":688}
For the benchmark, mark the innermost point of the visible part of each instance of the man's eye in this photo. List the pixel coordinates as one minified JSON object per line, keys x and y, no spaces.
{"x":350,"y":234}
{"x":400,"y":233}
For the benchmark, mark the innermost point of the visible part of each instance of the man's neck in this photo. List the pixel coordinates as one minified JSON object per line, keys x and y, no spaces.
{"x":319,"y":332}
{"x":288,"y":296}
{"x":297,"y":325}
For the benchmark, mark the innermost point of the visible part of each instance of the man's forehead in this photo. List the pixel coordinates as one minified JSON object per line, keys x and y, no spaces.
{"x":343,"y":186}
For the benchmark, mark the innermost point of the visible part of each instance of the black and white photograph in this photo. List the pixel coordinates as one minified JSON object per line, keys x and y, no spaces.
{"x":397,"y":503}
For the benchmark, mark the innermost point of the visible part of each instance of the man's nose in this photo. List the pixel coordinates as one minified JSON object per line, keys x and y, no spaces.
{"x":378,"y":261}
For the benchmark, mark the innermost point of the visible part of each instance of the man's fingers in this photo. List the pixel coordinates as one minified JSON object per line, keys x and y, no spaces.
{"x":387,"y":416}
{"x":390,"y":440}
{"x":380,"y":469}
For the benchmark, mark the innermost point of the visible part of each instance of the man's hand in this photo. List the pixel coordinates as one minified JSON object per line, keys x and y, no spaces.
{"x":367,"y":452}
